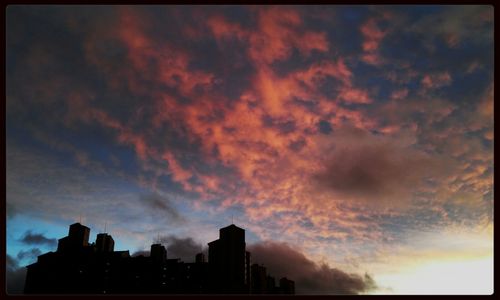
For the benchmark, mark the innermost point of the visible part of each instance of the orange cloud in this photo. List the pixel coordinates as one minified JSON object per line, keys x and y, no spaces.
{"x":399,"y":94}
{"x":436,"y":80}
{"x":179,"y":173}
{"x":352,"y":95}
{"x":172,"y":64}
{"x":222,"y":29}
{"x":278,"y":32}
{"x":373,"y":36}
{"x":81,"y":109}
{"x":266,"y":136}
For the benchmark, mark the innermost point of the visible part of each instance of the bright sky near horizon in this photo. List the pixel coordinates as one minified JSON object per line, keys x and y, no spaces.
{"x":354,"y":141}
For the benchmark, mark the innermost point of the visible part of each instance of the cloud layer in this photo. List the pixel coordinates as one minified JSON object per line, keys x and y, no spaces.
{"x":337,"y":128}
{"x":281,"y":260}
{"x":31,"y":238}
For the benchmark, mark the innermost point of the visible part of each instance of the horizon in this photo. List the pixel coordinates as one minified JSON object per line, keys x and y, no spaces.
{"x":354,"y":141}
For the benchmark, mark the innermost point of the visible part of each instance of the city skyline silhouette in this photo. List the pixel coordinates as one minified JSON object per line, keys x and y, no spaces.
{"x":80,"y":267}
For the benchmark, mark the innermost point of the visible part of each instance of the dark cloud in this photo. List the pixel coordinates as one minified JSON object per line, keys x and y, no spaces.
{"x":31,"y":254}
{"x":455,"y":24}
{"x":324,"y":127}
{"x":31,"y":238}
{"x":15,"y":276}
{"x":297,"y":145}
{"x":376,"y":169}
{"x":162,"y":205}
{"x":281,"y":260}
{"x":141,"y":252}
{"x":183,"y":248}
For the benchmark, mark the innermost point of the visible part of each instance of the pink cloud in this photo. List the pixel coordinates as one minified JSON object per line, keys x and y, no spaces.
{"x":223,"y":29}
{"x":250,"y":148}
{"x":373,"y":36}
{"x":372,"y":58}
{"x":278,"y":32}
{"x":353,"y":95}
{"x":81,"y":109}
{"x":259,"y":154}
{"x":399,"y":94}
{"x":179,"y":173}
{"x":317,"y":72}
{"x":137,"y":141}
{"x":436,"y":80}
{"x":171,"y":63}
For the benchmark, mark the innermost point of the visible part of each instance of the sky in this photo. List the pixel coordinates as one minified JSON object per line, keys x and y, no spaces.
{"x":354,"y":144}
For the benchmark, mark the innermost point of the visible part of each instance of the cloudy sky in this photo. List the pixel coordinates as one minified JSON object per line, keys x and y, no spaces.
{"x":354,"y":144}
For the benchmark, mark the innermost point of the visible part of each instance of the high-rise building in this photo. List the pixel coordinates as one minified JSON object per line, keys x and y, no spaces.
{"x":227,"y":261}
{"x":78,"y":237}
{"x":270,"y":285}
{"x":104,"y":243}
{"x":287,"y":286}
{"x":200,"y":258}
{"x":158,"y":253}
{"x":259,"y":280}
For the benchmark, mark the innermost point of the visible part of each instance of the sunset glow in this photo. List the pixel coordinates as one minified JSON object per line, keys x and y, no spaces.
{"x":354,"y":144}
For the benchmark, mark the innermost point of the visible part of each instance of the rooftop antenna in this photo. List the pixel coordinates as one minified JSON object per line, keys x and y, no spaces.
{"x":232,"y":219}
{"x":105,"y":223}
{"x":80,"y":218}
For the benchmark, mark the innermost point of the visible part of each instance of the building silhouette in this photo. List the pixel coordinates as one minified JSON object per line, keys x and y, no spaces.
{"x":287,"y":286}
{"x":78,"y":237}
{"x":259,"y":279}
{"x":104,"y":243}
{"x":78,"y":267}
{"x":228,"y":262}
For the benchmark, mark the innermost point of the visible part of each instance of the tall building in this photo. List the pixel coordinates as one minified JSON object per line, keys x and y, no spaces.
{"x":104,"y":243}
{"x":287,"y":286}
{"x":259,"y":279}
{"x":270,"y":285}
{"x":78,"y":238}
{"x":227,"y":260}
{"x":200,"y":258}
{"x":158,"y":253}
